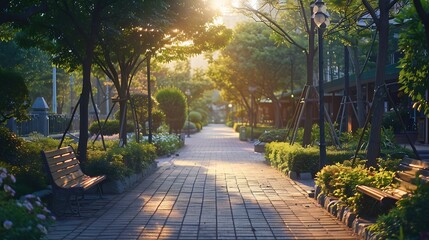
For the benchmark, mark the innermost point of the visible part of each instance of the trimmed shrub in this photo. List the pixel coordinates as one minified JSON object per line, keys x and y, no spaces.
{"x":173,"y":103}
{"x":299,"y":159}
{"x":110,"y":128}
{"x":119,"y":162}
{"x":276,"y":135}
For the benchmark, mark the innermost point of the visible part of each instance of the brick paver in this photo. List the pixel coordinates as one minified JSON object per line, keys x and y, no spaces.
{"x":217,"y":188}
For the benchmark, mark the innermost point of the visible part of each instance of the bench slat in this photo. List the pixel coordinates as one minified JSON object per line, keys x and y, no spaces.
{"x":416,"y":163}
{"x":63,"y":166}
{"x":61,"y":151}
{"x":70,"y":173}
{"x":62,"y":158}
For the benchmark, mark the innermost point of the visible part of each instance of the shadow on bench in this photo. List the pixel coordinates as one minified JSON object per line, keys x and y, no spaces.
{"x":67,"y":179}
{"x":411,"y":172}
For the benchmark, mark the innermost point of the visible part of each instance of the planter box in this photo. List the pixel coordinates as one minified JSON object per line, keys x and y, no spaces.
{"x":119,"y":186}
{"x":259,"y":147}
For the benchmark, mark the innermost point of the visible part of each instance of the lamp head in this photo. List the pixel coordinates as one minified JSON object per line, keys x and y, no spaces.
{"x":320,"y":14}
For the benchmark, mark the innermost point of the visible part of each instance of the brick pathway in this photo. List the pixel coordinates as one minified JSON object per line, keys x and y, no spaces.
{"x":217,"y":188}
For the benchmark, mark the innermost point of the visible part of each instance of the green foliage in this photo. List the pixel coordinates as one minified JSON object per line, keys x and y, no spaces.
{"x":190,"y":125}
{"x":276,"y":135}
{"x":23,"y":159}
{"x":340,"y":180}
{"x":110,"y":128}
{"x":119,"y":162}
{"x":166,"y":144}
{"x":173,"y":103}
{"x":408,"y":220}
{"x":195,"y":117}
{"x":15,"y":99}
{"x":296,"y":158}
{"x":158,"y":118}
{"x":21,"y":219}
{"x":414,"y":65}
{"x":106,"y":163}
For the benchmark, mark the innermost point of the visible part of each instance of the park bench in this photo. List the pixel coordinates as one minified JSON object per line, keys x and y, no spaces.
{"x":411,"y":172}
{"x":67,"y":179}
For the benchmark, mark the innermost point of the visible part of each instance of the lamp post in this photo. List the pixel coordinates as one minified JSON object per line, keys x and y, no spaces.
{"x":252,"y":90}
{"x":149,"y":98}
{"x":188,"y":94}
{"x":229,"y":113}
{"x":321,"y":19}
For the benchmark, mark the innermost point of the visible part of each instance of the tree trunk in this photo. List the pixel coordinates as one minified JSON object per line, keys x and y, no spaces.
{"x":308,"y":124}
{"x":83,"y":109}
{"x":360,"y":107}
{"x":377,"y":116}
{"x":277,"y":113}
{"x":123,"y":96}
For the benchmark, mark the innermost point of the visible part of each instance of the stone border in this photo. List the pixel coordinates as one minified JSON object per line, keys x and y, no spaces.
{"x":339,"y":210}
{"x":120,"y":186}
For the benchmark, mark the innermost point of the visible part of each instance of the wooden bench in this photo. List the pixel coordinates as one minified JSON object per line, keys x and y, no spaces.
{"x":66,"y":177}
{"x":411,"y":172}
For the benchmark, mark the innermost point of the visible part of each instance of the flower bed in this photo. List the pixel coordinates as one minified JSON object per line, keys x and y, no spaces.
{"x":27,"y":218}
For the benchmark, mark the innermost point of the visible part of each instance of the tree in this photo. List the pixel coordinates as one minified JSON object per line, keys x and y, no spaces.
{"x":263,"y":68}
{"x":380,"y":14}
{"x":291,"y":25}
{"x":173,"y":103}
{"x":74,"y":45}
{"x":155,"y":28}
{"x":14,"y":101}
{"x":414,"y":44}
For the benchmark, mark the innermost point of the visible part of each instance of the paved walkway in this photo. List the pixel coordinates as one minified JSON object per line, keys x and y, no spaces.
{"x":217,"y":188}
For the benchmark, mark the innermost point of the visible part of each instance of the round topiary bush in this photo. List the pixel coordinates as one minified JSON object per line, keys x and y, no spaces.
{"x":173,"y":103}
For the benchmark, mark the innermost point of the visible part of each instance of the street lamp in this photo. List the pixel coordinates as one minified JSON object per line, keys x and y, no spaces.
{"x":188,"y":94}
{"x":252,"y":90}
{"x":229,"y":113}
{"x":321,"y":19}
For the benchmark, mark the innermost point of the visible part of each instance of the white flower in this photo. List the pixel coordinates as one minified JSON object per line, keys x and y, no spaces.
{"x":53,"y":218}
{"x":41,"y":216}
{"x":46,"y":210}
{"x":12,"y":178}
{"x":42,"y":228}
{"x":9,"y":190}
{"x":30,"y":196}
{"x":3,"y":175}
{"x":7,"y":224}
{"x":38,"y":203}
{"x":28,"y":205}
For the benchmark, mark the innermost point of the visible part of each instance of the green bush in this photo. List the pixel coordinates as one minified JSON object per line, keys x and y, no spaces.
{"x":166,"y":143}
{"x":408,"y":220}
{"x":189,"y":125}
{"x":195,"y":117}
{"x":275,"y":135}
{"x":137,"y":156}
{"x":299,"y":159}
{"x":237,"y":126}
{"x":21,"y":219}
{"x":104,"y":163}
{"x":340,"y":180}
{"x":158,"y":118}
{"x":23,"y":159}
{"x":173,"y":103}
{"x":118,"y":162}
{"x":111,"y":127}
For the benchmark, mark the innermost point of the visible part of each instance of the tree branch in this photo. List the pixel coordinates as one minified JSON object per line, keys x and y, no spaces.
{"x":371,"y":12}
